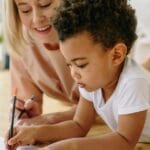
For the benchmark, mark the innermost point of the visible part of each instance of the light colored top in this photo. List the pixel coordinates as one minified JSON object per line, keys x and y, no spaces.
{"x":41,"y":71}
{"x":131,"y":95}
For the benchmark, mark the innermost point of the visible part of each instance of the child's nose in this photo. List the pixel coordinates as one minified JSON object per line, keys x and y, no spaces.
{"x":75,"y":74}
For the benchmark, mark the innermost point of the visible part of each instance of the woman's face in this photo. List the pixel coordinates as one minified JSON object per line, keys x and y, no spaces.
{"x":36,"y":16}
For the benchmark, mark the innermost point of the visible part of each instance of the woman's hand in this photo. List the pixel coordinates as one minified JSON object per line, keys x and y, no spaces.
{"x":27,"y":109}
{"x":50,"y":118}
{"x":33,"y":107}
{"x":38,"y":120}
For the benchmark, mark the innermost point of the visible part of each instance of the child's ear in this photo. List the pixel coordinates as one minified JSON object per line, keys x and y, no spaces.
{"x":119,"y":53}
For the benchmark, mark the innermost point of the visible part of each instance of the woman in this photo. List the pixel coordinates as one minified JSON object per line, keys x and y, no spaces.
{"x":36,"y":64}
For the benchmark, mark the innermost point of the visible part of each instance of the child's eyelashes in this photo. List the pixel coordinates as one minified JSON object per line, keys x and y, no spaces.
{"x":79,"y":66}
{"x":68,"y":65}
{"x":82,"y":66}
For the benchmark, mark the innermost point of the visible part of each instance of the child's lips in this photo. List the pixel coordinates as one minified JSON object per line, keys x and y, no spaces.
{"x":81,"y":85}
{"x":51,"y":47}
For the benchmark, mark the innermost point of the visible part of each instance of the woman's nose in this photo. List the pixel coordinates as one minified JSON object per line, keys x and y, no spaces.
{"x":38,"y":17}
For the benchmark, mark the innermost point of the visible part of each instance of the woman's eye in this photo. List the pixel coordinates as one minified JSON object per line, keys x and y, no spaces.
{"x":46,"y":5}
{"x":25,"y":11}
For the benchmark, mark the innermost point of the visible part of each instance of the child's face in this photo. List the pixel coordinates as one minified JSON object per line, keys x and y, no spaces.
{"x":90,"y":65}
{"x":35,"y":16}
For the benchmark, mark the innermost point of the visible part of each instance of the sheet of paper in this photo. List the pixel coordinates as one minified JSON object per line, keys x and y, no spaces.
{"x":30,"y":147}
{"x":2,"y":145}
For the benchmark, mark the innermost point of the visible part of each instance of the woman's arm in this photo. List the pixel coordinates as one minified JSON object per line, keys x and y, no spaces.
{"x":50,"y":118}
{"x":26,"y":87}
{"x":21,"y":80}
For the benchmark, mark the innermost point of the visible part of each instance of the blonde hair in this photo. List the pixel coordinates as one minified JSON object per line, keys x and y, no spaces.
{"x":15,"y":36}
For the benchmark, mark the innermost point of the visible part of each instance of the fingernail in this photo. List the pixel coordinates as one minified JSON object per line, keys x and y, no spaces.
{"x":33,"y":97}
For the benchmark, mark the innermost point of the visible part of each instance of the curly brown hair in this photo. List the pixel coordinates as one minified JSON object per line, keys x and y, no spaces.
{"x":107,"y":21}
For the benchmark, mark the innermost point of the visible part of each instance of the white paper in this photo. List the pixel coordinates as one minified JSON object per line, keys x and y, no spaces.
{"x":30,"y":147}
{"x":2,"y":145}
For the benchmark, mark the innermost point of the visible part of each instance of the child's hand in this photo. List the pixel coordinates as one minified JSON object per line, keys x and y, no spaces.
{"x":7,"y":147}
{"x":23,"y":135}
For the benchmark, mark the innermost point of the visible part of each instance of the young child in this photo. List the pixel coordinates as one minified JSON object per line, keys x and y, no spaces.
{"x":95,"y":38}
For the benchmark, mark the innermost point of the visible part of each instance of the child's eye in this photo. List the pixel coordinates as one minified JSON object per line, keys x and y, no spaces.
{"x":68,"y":65}
{"x":82,"y":66}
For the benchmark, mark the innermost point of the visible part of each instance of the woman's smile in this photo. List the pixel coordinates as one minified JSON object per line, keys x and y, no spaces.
{"x":43,"y":30}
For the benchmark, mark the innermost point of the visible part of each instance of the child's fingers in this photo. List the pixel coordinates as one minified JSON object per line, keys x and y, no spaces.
{"x":6,"y":140}
{"x":13,"y":147}
{"x":15,"y":139}
{"x":7,"y":146}
{"x":21,"y":136}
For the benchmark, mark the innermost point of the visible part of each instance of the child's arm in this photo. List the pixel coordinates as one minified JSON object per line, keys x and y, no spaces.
{"x":79,"y":126}
{"x":125,"y":138}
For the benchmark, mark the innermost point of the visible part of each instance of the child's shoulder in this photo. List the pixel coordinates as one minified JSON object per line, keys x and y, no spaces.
{"x":133,"y":77}
{"x":133,"y":71}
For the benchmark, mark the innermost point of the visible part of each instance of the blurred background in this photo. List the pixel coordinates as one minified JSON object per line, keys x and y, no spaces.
{"x":4,"y":81}
{"x":141,"y":51}
{"x":4,"y":58}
